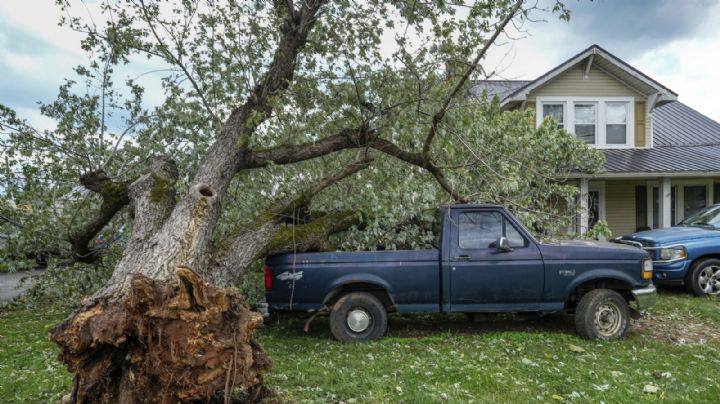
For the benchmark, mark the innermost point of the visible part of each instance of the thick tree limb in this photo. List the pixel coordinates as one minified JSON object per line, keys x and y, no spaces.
{"x":153,"y":197}
{"x":286,"y":207}
{"x":226,"y":155}
{"x":419,"y":160}
{"x":287,"y":154}
{"x":238,"y":252}
{"x":114,"y":197}
{"x":313,"y":235}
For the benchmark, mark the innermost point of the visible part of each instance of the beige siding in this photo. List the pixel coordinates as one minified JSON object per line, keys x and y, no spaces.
{"x":571,"y":83}
{"x":620,"y":206}
{"x":640,"y":134}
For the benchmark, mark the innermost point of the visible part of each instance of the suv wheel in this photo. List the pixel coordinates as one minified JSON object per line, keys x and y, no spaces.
{"x":602,"y":314}
{"x":704,"y":278}
{"x":358,"y":316}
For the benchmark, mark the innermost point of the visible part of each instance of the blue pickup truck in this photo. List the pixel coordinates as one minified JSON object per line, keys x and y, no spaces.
{"x":688,"y":253}
{"x":487,"y":262}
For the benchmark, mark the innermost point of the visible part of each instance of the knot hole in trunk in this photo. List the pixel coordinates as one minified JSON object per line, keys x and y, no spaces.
{"x":206,"y":191}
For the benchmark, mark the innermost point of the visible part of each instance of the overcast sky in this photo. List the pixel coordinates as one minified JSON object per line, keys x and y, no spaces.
{"x":676,"y":42}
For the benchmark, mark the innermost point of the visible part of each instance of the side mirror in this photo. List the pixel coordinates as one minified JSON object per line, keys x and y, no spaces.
{"x":503,"y":244}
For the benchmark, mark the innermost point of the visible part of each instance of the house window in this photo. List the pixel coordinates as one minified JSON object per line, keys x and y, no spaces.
{"x":695,"y":199}
{"x":556,"y":111}
{"x":585,"y":122}
{"x":616,"y":123}
{"x":601,"y":121}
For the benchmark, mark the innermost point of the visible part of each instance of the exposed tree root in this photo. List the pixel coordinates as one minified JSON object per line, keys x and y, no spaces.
{"x":165,"y":342}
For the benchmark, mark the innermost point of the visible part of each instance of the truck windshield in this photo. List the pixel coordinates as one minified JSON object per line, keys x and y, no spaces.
{"x":708,"y":217}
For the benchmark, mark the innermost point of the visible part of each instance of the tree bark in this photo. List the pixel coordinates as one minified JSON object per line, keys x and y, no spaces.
{"x":114,"y":197}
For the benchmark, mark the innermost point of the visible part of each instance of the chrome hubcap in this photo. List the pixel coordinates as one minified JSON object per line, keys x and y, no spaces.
{"x":608,"y":319}
{"x":358,"y":320}
{"x":709,"y":280}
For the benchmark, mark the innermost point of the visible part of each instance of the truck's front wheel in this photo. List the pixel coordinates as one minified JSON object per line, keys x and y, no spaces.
{"x":358,"y":316}
{"x":602,"y":314}
{"x":704,"y":278}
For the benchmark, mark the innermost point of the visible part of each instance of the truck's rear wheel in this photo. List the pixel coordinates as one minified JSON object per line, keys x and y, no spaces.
{"x":602,"y":314}
{"x":358,"y":316}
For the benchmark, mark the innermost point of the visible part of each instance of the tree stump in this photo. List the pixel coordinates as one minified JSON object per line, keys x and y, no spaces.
{"x":165,"y":342}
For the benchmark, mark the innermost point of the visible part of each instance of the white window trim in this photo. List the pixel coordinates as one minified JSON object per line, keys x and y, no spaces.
{"x":600,"y":131}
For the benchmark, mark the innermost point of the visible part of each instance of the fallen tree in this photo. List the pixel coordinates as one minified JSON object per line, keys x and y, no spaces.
{"x":166,"y":327}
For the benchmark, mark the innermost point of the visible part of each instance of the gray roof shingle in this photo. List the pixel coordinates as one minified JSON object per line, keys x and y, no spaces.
{"x":676,"y":124}
{"x":666,"y":159}
{"x":501,"y":88}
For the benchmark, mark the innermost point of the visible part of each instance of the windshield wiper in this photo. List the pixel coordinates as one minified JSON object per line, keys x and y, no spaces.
{"x":702,"y":224}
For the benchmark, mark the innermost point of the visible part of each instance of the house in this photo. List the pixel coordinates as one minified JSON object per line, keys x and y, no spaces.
{"x":662,"y":157}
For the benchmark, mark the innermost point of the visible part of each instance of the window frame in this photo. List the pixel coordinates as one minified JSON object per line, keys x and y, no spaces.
{"x":596,"y":124}
{"x":564,"y":111}
{"x":627,"y":120}
{"x":600,"y":119}
{"x":505,"y":222}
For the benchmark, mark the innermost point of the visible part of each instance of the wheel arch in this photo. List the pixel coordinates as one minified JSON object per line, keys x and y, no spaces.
{"x":702,"y":258}
{"x":581,"y":287}
{"x":375,"y":287}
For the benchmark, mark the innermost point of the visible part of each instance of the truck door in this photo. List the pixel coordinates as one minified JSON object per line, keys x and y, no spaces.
{"x":483,"y":274}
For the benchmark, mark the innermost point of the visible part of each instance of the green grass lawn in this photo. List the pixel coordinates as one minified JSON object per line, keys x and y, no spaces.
{"x":29,"y":369}
{"x":435,"y":358}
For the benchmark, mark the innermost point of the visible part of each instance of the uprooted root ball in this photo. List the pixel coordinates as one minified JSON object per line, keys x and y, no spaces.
{"x":164,"y":342}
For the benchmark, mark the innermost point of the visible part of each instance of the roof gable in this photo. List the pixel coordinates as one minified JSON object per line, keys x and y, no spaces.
{"x":608,"y":63}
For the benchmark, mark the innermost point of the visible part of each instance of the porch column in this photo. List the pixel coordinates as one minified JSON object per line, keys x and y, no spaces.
{"x":583,"y":217}
{"x":665,"y":203}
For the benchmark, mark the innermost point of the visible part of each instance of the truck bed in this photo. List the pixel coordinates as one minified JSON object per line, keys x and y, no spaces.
{"x":302,"y":281}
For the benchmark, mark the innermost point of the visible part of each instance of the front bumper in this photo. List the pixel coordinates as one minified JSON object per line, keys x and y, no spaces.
{"x":670,"y":272}
{"x":645,"y":297}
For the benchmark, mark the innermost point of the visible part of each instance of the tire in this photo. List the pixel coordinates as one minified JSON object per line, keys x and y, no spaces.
{"x":703,"y":279}
{"x":602,"y":314}
{"x":358,"y":317}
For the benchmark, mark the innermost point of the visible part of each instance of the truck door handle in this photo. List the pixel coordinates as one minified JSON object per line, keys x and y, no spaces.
{"x":463,"y":257}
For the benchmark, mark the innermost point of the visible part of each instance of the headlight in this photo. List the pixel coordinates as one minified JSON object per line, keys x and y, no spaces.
{"x":673,"y":253}
{"x":647,"y":269}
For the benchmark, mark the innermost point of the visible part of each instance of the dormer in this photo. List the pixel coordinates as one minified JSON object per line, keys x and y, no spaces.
{"x":594,"y":95}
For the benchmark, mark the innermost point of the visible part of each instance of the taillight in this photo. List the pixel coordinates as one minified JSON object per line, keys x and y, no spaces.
{"x":268,"y":277}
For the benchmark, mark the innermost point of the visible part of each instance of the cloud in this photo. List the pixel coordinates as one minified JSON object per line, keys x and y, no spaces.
{"x":629,"y":26}
{"x":36,"y":55}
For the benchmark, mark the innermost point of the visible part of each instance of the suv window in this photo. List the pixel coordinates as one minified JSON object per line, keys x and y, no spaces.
{"x":483,"y":229}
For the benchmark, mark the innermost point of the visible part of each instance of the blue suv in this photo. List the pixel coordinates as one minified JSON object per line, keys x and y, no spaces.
{"x":686,"y":254}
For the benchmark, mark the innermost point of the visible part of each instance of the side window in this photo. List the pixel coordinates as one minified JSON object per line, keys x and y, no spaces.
{"x":482,"y":229}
